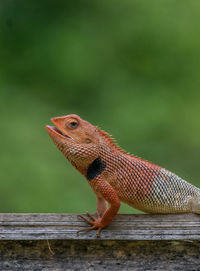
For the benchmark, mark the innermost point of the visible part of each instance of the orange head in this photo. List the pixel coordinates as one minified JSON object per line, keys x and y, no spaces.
{"x":80,"y":141}
{"x":76,"y":138}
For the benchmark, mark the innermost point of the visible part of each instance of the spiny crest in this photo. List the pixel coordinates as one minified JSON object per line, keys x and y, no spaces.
{"x":110,"y":140}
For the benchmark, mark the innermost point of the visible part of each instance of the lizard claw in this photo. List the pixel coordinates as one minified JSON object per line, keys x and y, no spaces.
{"x":95,"y":222}
{"x":86,"y":220}
{"x":91,"y":216}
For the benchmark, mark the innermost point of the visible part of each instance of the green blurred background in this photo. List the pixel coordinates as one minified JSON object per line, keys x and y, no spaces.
{"x":131,"y":67}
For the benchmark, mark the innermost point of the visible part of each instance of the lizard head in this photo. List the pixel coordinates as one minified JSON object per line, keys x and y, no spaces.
{"x":76,"y":138}
{"x":80,"y":141}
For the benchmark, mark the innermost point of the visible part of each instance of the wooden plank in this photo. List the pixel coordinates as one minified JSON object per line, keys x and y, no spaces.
{"x":123,"y":227}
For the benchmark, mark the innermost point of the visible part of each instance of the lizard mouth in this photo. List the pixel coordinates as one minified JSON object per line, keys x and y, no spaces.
{"x":54,"y":130}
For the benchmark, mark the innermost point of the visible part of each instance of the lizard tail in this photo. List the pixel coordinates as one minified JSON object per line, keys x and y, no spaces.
{"x":195,"y":205}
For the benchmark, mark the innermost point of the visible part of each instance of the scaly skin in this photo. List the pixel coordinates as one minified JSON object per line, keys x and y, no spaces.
{"x":116,"y":176}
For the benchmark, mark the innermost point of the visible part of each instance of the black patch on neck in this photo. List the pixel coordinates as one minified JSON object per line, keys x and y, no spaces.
{"x":95,"y":168}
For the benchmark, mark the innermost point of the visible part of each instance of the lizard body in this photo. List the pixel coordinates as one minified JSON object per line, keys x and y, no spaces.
{"x":116,"y":176}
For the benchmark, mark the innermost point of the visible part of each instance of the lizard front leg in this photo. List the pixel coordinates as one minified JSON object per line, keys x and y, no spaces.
{"x":109,"y":194}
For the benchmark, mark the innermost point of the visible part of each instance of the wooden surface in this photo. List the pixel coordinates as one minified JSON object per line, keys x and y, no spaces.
{"x":43,"y":242}
{"x":123,"y":227}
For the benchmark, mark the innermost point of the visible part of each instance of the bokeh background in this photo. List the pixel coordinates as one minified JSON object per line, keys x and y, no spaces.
{"x":131,"y":67}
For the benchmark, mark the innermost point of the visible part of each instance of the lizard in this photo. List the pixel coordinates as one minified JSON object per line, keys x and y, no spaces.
{"x":116,"y":176}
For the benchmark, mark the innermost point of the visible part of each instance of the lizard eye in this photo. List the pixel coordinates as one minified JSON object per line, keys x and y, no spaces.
{"x":73,"y":124}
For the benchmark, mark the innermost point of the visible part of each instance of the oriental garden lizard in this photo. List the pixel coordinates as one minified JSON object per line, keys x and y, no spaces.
{"x":115,"y":175}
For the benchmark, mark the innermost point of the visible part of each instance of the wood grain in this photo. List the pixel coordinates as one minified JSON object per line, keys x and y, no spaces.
{"x":123,"y":227}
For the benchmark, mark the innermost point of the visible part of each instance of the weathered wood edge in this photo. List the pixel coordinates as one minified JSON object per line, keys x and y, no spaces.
{"x":124,"y":227}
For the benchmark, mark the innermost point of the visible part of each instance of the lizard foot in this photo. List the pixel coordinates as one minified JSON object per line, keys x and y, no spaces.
{"x":94,"y":222}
